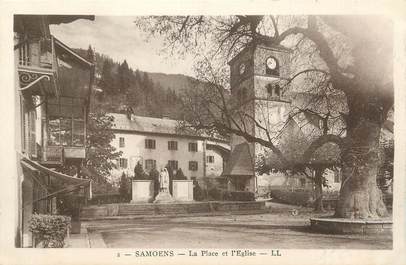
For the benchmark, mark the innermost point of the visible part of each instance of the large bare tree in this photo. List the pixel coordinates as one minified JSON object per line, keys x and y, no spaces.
{"x":348,"y":57}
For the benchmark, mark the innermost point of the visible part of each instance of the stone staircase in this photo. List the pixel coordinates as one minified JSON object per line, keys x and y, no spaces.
{"x":113,"y":211}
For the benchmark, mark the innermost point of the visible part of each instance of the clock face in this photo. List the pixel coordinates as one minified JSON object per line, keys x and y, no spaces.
{"x":271,"y":63}
{"x":242,"y":68}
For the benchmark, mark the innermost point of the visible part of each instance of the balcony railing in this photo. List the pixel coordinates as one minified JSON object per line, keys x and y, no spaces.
{"x":37,"y":64}
{"x":23,"y":54}
{"x":37,"y":54}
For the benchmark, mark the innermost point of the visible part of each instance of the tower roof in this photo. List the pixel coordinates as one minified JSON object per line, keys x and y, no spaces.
{"x":240,"y":162}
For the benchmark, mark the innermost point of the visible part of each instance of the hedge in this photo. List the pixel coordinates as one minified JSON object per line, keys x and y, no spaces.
{"x":239,"y":196}
{"x":298,"y":197}
{"x":216,"y":194}
{"x":106,"y":198}
{"x":224,"y":195}
{"x":198,"y":193}
{"x":50,"y":230}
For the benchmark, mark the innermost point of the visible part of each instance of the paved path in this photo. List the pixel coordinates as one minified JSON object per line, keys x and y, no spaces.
{"x":262,"y":231}
{"x":78,"y":241}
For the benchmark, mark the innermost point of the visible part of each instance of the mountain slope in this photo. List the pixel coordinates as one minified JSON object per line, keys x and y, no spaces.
{"x":175,"y":82}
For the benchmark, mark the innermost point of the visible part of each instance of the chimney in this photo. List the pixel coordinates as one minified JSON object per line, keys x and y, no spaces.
{"x":129,"y":112}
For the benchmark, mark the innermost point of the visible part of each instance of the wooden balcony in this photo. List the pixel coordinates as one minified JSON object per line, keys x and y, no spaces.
{"x":37,"y":68}
{"x":74,"y":152}
{"x":56,"y":155}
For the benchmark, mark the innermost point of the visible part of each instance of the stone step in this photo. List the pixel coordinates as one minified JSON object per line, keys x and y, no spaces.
{"x":168,"y":209}
{"x":149,"y":216}
{"x":163,"y":210}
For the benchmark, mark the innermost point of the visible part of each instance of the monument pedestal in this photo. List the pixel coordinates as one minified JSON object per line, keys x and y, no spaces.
{"x":164,"y":197}
{"x":142,"y":191}
{"x":182,"y":190}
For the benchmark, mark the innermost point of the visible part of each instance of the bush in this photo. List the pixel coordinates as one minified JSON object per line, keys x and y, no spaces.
{"x":216,"y":194}
{"x":105,"y":198}
{"x":179,"y":175}
{"x":171,"y":177}
{"x":296,"y":197}
{"x":139,"y":173}
{"x":239,"y":196}
{"x":154,"y":175}
{"x":198,"y":193}
{"x":125,"y":188}
{"x":224,"y":195}
{"x":50,"y":230}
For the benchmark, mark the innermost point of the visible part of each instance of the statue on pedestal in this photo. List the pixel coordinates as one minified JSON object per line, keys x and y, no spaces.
{"x":163,"y":196}
{"x":164,"y":181}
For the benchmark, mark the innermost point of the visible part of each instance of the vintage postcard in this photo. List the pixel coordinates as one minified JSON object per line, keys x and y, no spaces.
{"x":201,"y":132}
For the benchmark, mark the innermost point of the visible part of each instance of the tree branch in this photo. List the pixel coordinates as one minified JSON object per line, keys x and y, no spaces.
{"x":320,"y":142}
{"x":326,"y":53}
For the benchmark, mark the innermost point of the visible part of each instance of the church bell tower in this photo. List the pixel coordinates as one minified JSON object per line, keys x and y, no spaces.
{"x":259,"y":79}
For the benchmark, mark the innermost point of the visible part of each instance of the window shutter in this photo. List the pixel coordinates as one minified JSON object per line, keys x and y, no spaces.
{"x":32,"y":138}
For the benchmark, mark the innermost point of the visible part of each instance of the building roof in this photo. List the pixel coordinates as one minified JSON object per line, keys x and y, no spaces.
{"x":38,"y":25}
{"x":141,"y":124}
{"x":75,"y":73}
{"x":240,"y":162}
{"x":294,"y":141}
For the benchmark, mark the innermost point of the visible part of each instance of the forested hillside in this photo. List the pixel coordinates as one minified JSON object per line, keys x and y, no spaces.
{"x":118,"y":86}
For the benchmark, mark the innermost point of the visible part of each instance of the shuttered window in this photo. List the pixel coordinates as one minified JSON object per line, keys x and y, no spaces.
{"x":172,"y":145}
{"x":150,"y":164}
{"x":122,"y":142}
{"x":193,"y":165}
{"x":123,"y":162}
{"x":192,"y":147}
{"x":149,"y":144}
{"x":173,"y":164}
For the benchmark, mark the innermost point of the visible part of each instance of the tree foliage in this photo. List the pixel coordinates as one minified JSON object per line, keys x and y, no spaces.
{"x":124,"y":188}
{"x":101,"y":156}
{"x":121,"y":87}
{"x":106,"y":81}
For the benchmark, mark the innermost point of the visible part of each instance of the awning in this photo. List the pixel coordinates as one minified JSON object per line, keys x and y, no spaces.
{"x":240,"y":162}
{"x":73,"y":183}
{"x":45,"y":170}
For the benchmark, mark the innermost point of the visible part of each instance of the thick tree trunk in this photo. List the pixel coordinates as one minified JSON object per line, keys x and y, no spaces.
{"x":318,"y":181}
{"x":360,"y":196}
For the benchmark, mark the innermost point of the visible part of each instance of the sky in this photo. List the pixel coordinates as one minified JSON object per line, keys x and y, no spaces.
{"x":119,"y":38}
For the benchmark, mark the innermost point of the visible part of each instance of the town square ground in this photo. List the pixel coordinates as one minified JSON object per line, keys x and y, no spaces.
{"x":257,"y":231}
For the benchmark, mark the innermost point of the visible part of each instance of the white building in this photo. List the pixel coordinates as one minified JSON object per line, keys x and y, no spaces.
{"x":157,"y":143}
